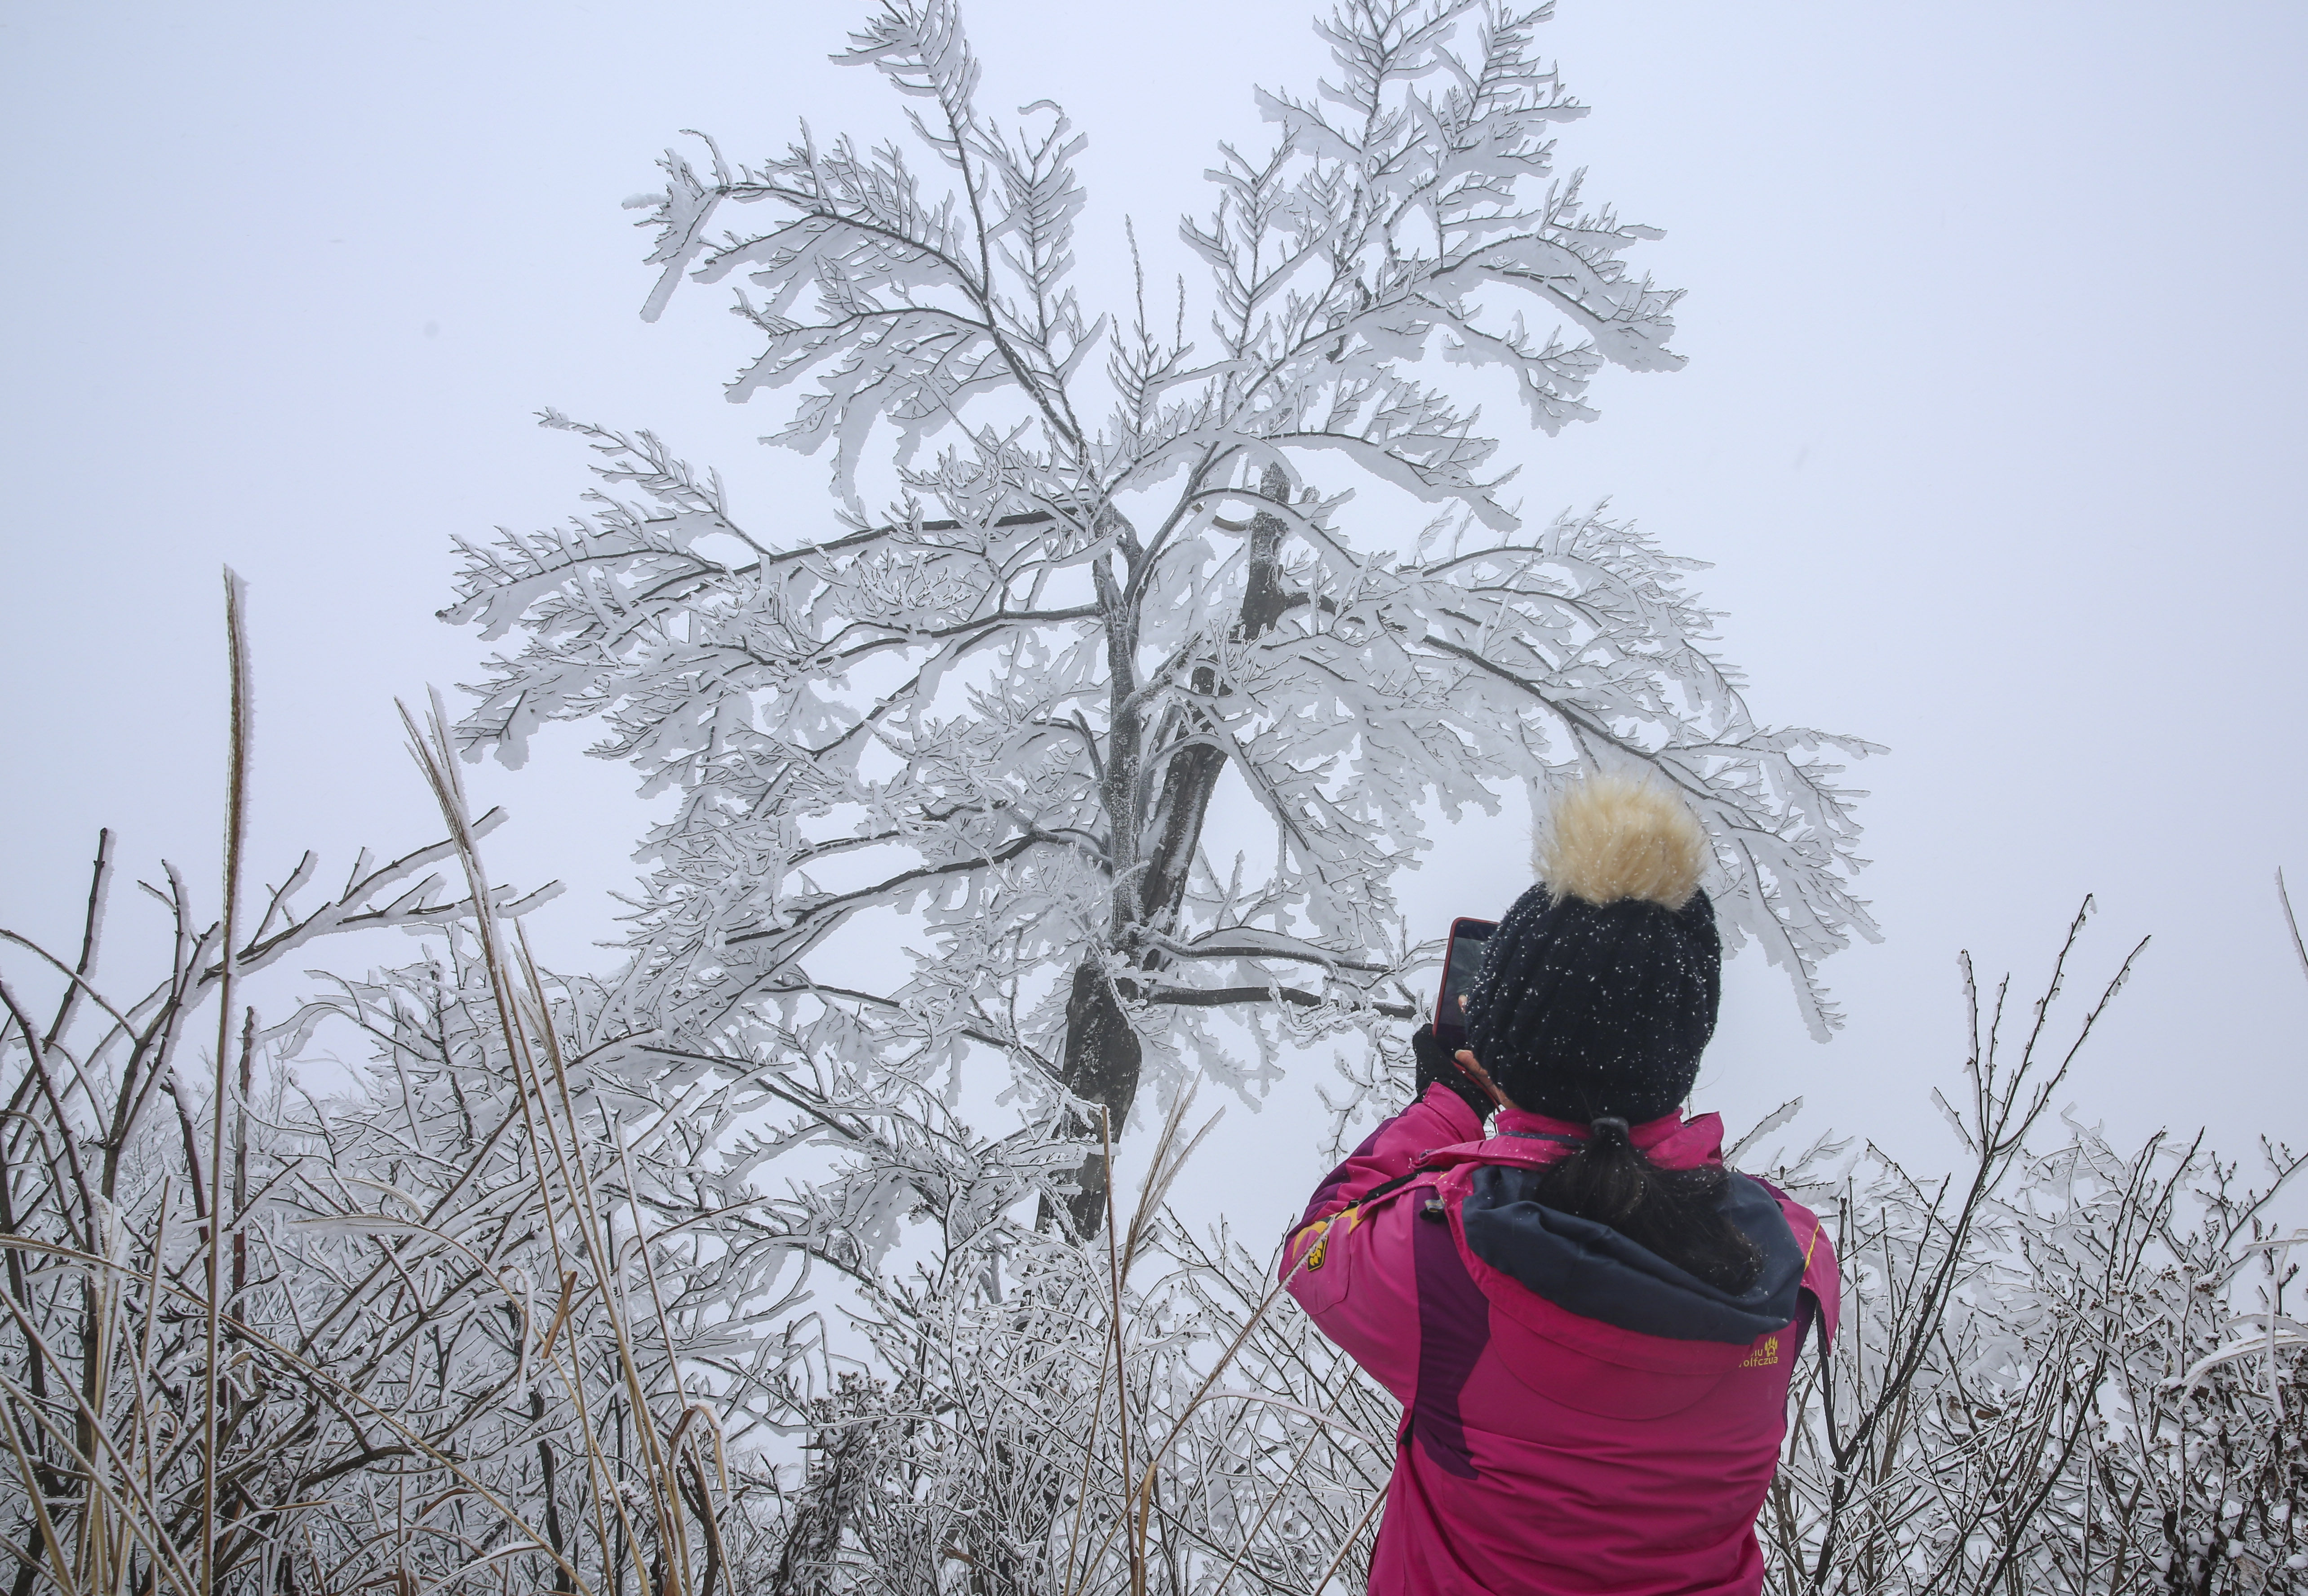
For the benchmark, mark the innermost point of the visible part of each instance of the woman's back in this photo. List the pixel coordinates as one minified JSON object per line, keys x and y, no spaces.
{"x":1581,"y":1415}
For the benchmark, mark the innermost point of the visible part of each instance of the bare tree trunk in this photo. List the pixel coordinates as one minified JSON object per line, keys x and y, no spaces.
{"x":1101,"y":1065}
{"x":1103,"y":1055}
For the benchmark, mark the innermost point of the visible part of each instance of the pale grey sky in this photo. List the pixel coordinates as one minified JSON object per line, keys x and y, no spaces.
{"x":1996,"y":338}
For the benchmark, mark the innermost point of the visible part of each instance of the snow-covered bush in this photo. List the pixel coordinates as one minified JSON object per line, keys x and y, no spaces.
{"x":2060,"y":1371}
{"x":503,"y":1313}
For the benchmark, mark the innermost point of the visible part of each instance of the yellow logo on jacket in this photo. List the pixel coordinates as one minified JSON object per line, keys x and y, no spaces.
{"x":1763,"y":1356}
{"x":1321,"y":1231}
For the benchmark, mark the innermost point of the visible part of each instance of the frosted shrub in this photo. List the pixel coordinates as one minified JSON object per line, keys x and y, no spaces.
{"x":505,"y":1313}
{"x":2063,"y":1371}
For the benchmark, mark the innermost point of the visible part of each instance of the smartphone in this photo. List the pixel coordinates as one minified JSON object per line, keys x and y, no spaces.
{"x":1463,"y":963}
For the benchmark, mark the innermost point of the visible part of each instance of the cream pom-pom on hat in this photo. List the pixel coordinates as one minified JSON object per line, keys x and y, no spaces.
{"x":1600,"y":990}
{"x":1610,"y":838}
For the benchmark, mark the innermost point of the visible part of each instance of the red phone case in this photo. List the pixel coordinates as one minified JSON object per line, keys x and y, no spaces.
{"x":1451,"y":1029}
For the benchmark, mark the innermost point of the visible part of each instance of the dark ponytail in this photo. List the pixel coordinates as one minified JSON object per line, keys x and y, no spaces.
{"x":1677,"y":1214}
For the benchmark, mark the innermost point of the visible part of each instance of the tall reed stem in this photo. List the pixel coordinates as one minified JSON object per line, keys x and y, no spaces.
{"x":235,"y":830}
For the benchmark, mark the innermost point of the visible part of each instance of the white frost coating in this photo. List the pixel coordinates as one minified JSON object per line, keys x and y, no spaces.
{"x":1118,"y":550}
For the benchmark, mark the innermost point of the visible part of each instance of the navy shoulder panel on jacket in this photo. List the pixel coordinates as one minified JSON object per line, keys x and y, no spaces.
{"x":1593,"y":1271}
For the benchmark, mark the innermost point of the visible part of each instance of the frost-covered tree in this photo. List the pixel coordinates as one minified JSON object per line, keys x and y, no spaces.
{"x":1120,"y":581}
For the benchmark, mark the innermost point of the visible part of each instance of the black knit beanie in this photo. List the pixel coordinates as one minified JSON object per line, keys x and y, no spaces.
{"x":1599,"y":988}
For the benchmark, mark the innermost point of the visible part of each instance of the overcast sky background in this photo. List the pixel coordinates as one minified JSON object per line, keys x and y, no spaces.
{"x":1991,"y":429}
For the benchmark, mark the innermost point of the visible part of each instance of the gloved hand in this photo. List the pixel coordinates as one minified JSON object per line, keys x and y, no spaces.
{"x":1436,"y":1064}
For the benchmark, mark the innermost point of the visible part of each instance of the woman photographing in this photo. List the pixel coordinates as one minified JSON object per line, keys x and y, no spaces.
{"x":1590,"y":1321}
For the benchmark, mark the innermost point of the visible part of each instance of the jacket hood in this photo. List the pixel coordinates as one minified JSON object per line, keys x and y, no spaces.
{"x":1591,"y":1270}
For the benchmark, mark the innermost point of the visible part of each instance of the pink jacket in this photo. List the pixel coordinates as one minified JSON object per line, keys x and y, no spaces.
{"x":1579,"y":1416}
